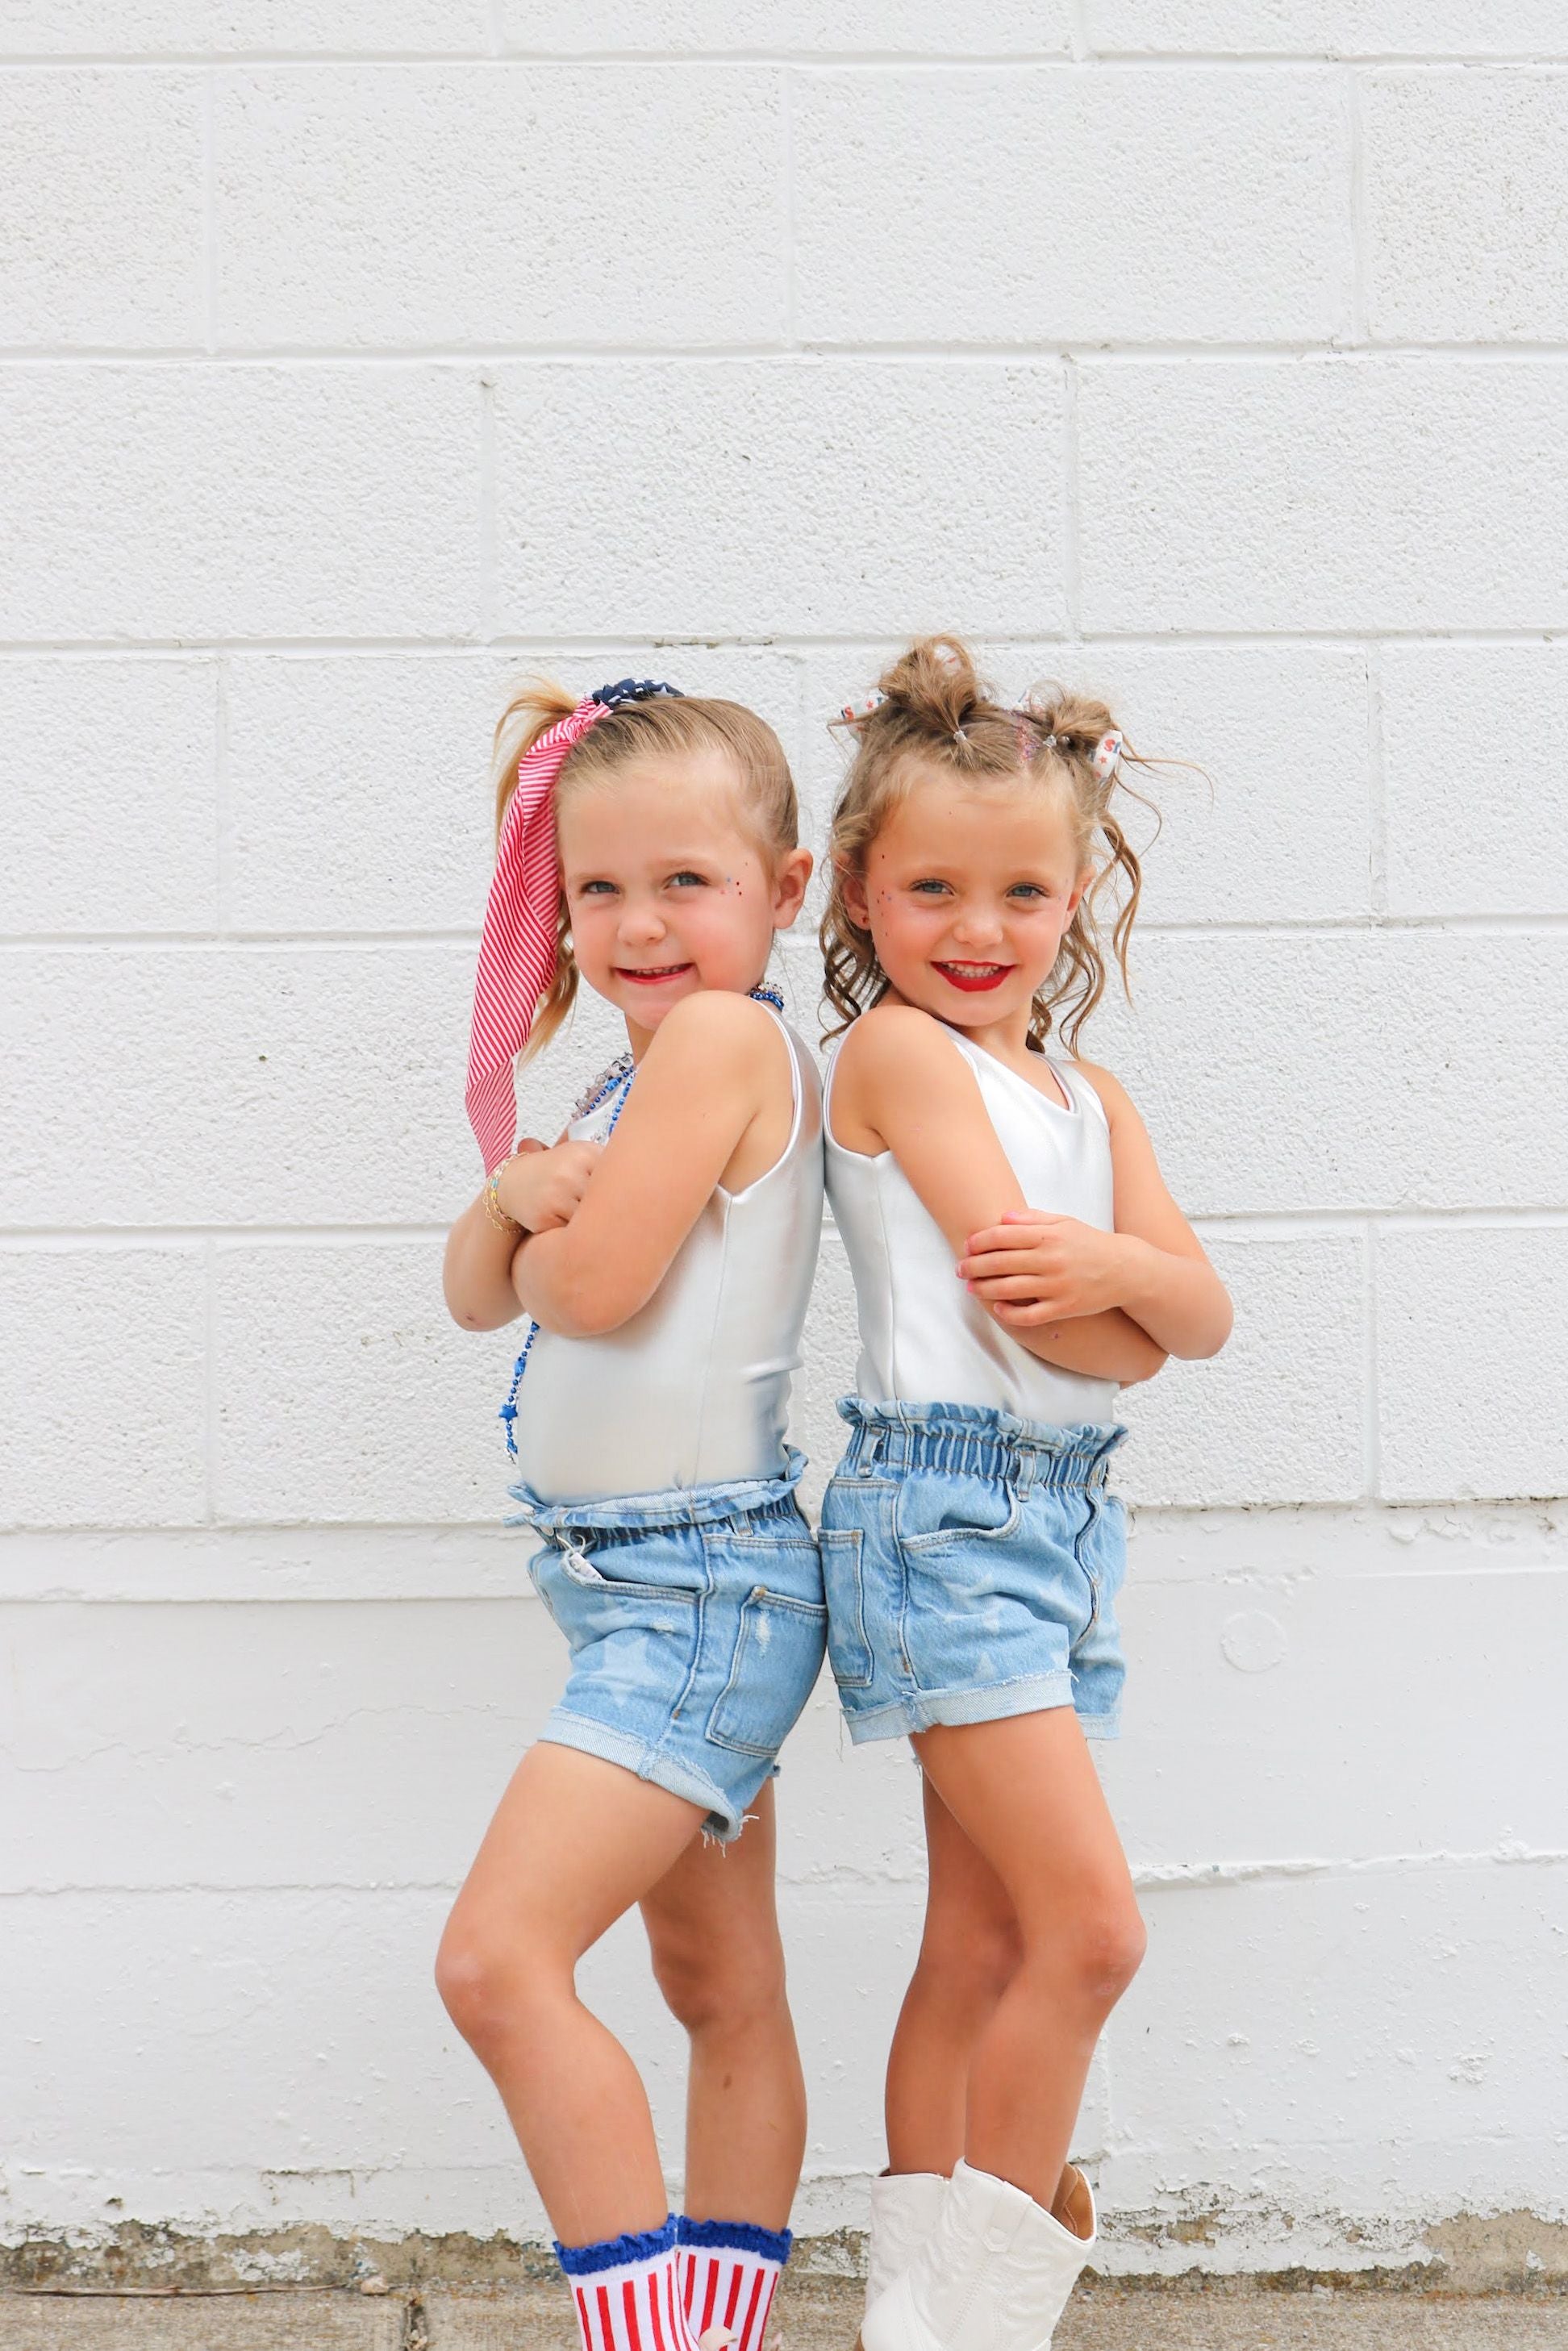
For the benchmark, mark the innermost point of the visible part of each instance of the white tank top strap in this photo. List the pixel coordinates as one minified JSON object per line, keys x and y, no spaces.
{"x":798,"y":1109}
{"x":1081,"y":1091}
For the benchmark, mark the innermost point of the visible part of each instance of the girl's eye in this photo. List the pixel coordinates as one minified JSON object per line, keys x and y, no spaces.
{"x":695,"y":880}
{"x":592,"y":889}
{"x":1028,"y":889}
{"x":929,"y":889}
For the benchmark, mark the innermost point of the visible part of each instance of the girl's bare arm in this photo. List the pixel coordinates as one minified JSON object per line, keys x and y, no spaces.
{"x":902,"y":1085}
{"x":538,"y":1190}
{"x":1032,"y":1269}
{"x":711,"y":1076}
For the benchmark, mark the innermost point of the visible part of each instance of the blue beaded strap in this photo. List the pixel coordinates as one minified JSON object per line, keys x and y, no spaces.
{"x":621,"y":1073}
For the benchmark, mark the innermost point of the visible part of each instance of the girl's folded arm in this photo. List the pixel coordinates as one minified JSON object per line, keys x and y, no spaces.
{"x":476,"y":1271}
{"x":915,"y":1096}
{"x":701,"y":1082}
{"x":1169,"y":1287}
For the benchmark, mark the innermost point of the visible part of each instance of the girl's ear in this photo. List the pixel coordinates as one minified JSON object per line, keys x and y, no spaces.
{"x":789,"y":880}
{"x":851,"y":891}
{"x":1079,"y":887}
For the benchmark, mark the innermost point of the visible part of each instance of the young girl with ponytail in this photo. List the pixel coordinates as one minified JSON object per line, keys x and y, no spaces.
{"x":665,"y":1250}
{"x":1016,"y":1255}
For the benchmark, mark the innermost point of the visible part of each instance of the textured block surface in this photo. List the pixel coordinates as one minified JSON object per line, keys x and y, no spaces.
{"x":1060,"y":205}
{"x":358,"y":358}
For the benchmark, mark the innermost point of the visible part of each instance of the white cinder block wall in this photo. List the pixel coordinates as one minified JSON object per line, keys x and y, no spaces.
{"x":1211,"y":351}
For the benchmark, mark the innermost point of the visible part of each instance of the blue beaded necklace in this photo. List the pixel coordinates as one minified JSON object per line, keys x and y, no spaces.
{"x":619,"y":1074}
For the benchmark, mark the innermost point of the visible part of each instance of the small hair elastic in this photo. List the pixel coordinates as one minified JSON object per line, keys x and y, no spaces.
{"x":516,"y":948}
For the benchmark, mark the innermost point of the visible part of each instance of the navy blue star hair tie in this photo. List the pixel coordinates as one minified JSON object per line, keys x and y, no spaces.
{"x":632,"y":689}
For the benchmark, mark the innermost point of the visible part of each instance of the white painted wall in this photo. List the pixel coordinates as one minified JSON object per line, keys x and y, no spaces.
{"x":1212,"y":352}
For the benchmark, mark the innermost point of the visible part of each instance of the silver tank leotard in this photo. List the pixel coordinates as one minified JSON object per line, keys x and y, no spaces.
{"x":924,"y":1340}
{"x":694,"y":1389}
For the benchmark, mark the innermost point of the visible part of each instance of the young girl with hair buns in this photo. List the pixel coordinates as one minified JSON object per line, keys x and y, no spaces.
{"x":664,"y":1249}
{"x":1016,"y":1255}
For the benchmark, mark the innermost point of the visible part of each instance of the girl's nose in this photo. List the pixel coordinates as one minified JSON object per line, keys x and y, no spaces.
{"x":641,"y":923}
{"x":977,"y":926}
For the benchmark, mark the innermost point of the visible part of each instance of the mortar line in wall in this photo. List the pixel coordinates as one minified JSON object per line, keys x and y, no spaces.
{"x":1301,"y":1223}
{"x":255,"y":939}
{"x":210,"y":209}
{"x":1149,"y":1877}
{"x":1373,"y":1407}
{"x":1377,"y":790}
{"x":489,"y":551}
{"x":569,"y":643}
{"x":786,"y":166}
{"x":808,"y":352}
{"x":223,"y":843}
{"x":1236,"y":60}
{"x":209,"y":1384}
{"x":1071,"y":552}
{"x":1357,"y":207}
{"x":1078,"y":32}
{"x":498,"y":30}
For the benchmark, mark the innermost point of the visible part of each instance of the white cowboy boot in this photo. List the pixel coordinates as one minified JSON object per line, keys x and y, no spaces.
{"x":994,"y":2274}
{"x":903,"y":2209}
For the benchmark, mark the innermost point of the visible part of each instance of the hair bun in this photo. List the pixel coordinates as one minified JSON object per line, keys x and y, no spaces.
{"x":935,"y":684}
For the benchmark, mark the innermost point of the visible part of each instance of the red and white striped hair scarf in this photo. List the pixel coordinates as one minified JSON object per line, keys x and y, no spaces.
{"x":517,"y":950}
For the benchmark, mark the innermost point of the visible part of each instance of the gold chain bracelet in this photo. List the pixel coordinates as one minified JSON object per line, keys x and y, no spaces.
{"x":493,"y":1208}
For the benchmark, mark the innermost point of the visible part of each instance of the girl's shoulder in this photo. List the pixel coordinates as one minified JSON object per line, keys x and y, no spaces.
{"x":715,"y":1037}
{"x":892,"y":1035}
{"x":1109,"y":1089}
{"x":897,"y":1053}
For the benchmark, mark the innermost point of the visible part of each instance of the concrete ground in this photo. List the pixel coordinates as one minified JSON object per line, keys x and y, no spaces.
{"x":817,"y":2314}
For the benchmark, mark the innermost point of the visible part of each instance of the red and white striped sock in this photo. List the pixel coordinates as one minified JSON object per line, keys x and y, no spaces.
{"x":626,"y":2292}
{"x":728,"y":2271}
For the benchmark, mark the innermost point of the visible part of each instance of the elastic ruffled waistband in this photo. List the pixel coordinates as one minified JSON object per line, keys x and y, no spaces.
{"x":976,"y":1441}
{"x":679,"y":1506}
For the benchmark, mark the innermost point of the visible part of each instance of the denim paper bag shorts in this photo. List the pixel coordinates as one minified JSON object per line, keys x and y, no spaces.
{"x":697,"y":1624}
{"x":972,"y":1561}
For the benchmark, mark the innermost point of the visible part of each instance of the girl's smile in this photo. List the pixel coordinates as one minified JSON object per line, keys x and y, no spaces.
{"x":973,"y":975}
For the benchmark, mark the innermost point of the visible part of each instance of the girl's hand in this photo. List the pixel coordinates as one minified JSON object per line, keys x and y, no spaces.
{"x":540,"y":1189}
{"x":1034,"y":1268}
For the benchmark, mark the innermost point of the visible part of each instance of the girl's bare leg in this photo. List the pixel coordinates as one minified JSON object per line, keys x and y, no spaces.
{"x":1026,"y":1794}
{"x":574,"y":1843}
{"x":969,"y":1953}
{"x":712,"y":1930}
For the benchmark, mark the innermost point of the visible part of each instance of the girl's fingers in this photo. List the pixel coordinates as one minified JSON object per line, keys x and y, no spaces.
{"x":1010,"y":1286}
{"x":1030,"y":1312}
{"x":1008,"y":1237}
{"x":997,"y":1262}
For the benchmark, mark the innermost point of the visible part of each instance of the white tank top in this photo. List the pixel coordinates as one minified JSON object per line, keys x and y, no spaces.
{"x":924,"y":1340}
{"x":694,"y":1389}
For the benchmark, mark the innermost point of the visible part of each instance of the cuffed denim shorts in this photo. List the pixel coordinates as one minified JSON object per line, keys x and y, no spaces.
{"x":972,"y":1561}
{"x":697,"y":1625}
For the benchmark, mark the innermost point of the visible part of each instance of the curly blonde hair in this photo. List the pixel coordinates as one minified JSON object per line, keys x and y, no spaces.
{"x":935,"y":714}
{"x":668,"y":727}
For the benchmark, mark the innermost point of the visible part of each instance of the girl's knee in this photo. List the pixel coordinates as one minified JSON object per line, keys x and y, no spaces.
{"x":487,"y":1986}
{"x":969,"y":1961}
{"x":1104,"y":1949}
{"x":709,"y":1978}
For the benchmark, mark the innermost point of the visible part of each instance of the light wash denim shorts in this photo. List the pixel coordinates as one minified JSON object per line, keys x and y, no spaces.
{"x":972,"y":1561}
{"x":697,"y":1625}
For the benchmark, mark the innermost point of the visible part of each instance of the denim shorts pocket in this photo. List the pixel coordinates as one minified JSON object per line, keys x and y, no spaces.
{"x":634,"y":1565}
{"x":777,"y":1657}
{"x":934,"y":1511}
{"x":849,"y":1650}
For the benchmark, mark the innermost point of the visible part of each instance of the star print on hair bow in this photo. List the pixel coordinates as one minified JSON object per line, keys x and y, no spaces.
{"x":864,"y":709}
